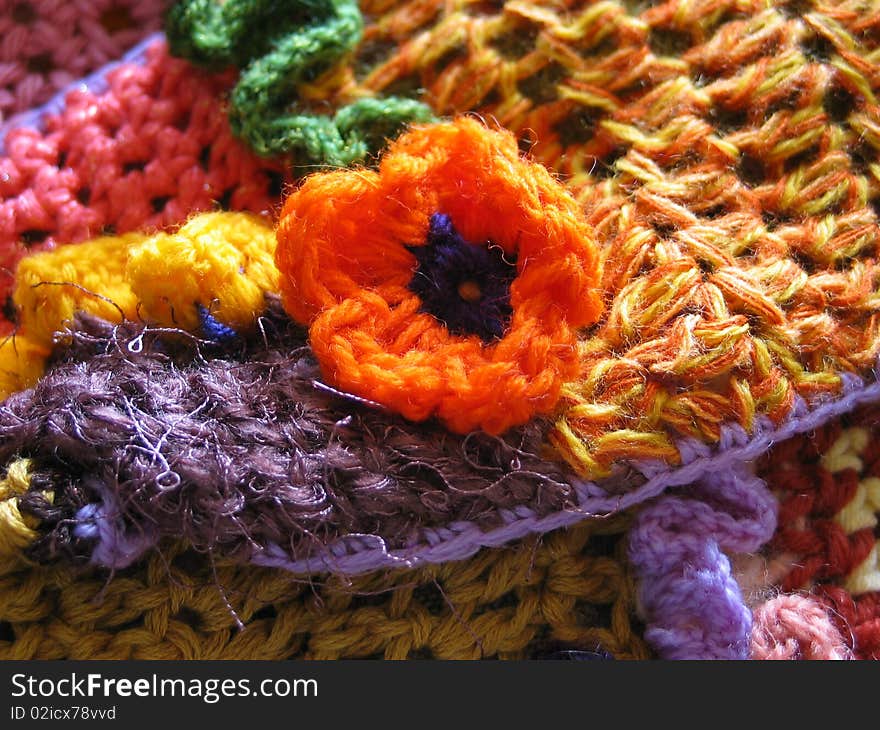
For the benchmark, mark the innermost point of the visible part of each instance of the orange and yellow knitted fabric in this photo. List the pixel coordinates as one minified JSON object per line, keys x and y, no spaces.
{"x":725,"y":154}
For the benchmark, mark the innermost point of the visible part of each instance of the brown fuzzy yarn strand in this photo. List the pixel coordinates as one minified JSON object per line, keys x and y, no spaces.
{"x":238,"y":447}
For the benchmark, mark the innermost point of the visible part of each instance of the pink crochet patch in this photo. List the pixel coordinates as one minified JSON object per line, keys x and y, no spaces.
{"x":146,"y":153}
{"x":47,"y":44}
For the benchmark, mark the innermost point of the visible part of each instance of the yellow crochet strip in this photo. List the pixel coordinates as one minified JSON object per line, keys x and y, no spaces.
{"x":52,"y":286}
{"x":17,"y":531}
{"x":223,"y":261}
{"x":564,"y":590}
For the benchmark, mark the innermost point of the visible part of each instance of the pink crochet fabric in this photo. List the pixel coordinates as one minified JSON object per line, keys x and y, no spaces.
{"x":146,"y":153}
{"x":795,"y":627}
{"x":47,"y":44}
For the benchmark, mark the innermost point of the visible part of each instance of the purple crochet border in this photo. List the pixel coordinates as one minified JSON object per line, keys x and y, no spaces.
{"x":356,"y":554}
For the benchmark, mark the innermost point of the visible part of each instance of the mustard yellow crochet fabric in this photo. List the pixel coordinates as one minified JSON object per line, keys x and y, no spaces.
{"x":568,"y":591}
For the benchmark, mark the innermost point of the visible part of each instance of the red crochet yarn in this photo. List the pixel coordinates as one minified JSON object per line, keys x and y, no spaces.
{"x":809,"y":498}
{"x":857,"y":617}
{"x":821,"y":552}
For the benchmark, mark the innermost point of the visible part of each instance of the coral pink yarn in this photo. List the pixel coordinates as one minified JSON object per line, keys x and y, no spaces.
{"x":47,"y":44}
{"x":146,"y":153}
{"x":795,"y":627}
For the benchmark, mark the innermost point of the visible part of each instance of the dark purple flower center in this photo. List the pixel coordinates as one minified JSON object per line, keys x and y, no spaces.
{"x":464,"y":285}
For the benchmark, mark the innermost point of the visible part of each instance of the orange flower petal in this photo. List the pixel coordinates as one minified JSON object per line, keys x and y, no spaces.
{"x":338,"y":242}
{"x":346,"y":270}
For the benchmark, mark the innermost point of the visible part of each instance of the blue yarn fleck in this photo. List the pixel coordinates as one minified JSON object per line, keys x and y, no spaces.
{"x":87,"y":521}
{"x":445,"y":263}
{"x":213,"y":329}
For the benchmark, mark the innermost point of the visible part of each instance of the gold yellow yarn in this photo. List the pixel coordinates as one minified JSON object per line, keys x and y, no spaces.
{"x":51,"y":287}
{"x":223,"y":261}
{"x":17,"y":531}
{"x":21,"y":364}
{"x":571,"y":589}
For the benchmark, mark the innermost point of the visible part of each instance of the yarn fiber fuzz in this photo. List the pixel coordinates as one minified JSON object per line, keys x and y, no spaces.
{"x":237,"y":447}
{"x":400,"y":284}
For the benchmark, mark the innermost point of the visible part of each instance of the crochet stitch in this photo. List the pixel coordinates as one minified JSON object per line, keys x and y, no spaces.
{"x":145,"y":154}
{"x":310,"y":37}
{"x":514,"y":523}
{"x":47,"y":44}
{"x":238,"y":448}
{"x":826,"y":483}
{"x":570,"y":590}
{"x":219,"y":259}
{"x":722,"y":153}
{"x":345,"y":243}
{"x":689,"y":596}
{"x":715,"y":168}
{"x":795,"y":627}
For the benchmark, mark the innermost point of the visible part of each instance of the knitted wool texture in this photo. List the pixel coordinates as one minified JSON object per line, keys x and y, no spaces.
{"x":726,"y":260}
{"x":796,"y":627}
{"x":168,"y":280}
{"x":804,"y":585}
{"x":220,"y":261}
{"x":148,"y":397}
{"x":688,"y":594}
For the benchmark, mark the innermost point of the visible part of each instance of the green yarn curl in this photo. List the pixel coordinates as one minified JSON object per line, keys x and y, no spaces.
{"x":278,"y":45}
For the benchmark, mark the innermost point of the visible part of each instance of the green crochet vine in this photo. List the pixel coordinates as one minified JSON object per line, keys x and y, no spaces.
{"x":278,"y":45}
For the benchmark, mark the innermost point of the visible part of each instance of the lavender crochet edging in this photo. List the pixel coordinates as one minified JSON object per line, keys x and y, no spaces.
{"x":690,"y":600}
{"x":460,"y":540}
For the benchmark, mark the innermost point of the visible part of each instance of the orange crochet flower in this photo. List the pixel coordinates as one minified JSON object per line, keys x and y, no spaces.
{"x":449,"y":283}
